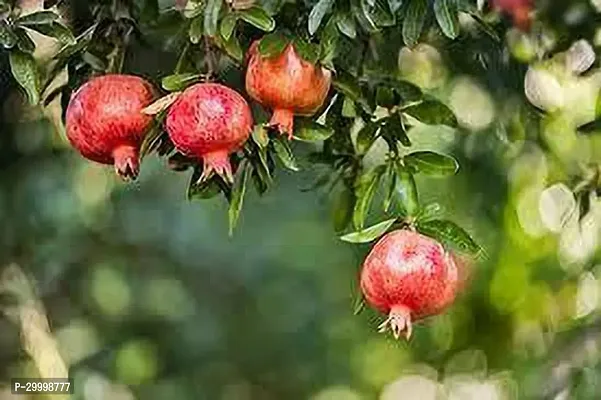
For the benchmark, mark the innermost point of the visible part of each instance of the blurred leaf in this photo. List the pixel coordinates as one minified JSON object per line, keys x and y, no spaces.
{"x":284,"y":153}
{"x":369,"y":234}
{"x":7,"y":37}
{"x":24,"y":42}
{"x":228,"y":24}
{"x":37,"y":18}
{"x":193,"y":9}
{"x":26,"y":73}
{"x":237,"y":196}
{"x":346,"y":24}
{"x":431,"y":163}
{"x":196,"y":29}
{"x":432,"y":112}
{"x":206,"y":189}
{"x":259,"y":136}
{"x":211,"y":16}
{"x":359,"y":9}
{"x":486,"y":28}
{"x":385,"y":97}
{"x":449,"y":233}
{"x":407,"y":191}
{"x":430,"y":211}
{"x":382,"y":15}
{"x":258,"y":18}
{"x":161,"y":104}
{"x":591,"y":127}
{"x":151,"y":140}
{"x":393,"y":129}
{"x":319,"y":10}
{"x":56,"y":30}
{"x":414,"y":21}
{"x":358,"y":304}
{"x":177,"y":82}
{"x":367,"y":136}
{"x":365,"y":189}
{"x":407,"y":91}
{"x":349,"y":86}
{"x":308,"y":130}
{"x":445,"y":12}
{"x":179,"y":162}
{"x":342,"y":208}
{"x":272,"y":45}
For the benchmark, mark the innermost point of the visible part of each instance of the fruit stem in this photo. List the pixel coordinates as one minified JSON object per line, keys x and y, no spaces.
{"x":283,"y":121}
{"x":399,"y":320}
{"x":126,"y":161}
{"x":219,"y":163}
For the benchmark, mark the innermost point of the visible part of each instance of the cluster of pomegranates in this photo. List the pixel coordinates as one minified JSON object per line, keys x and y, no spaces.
{"x":208,"y":121}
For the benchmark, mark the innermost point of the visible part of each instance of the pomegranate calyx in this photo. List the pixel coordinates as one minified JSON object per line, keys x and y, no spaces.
{"x":399,"y":320}
{"x":126,"y":161}
{"x":283,"y":121}
{"x":217,"y":162}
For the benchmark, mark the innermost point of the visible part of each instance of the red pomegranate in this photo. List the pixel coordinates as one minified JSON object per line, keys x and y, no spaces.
{"x":210,"y":121}
{"x":519,"y":10}
{"x":408,"y":276}
{"x":105,"y":124}
{"x":287,"y":84}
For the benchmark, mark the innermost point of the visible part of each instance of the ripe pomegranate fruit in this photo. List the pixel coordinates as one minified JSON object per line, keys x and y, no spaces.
{"x":105,"y":124}
{"x":408,"y":276}
{"x":210,"y":121}
{"x":287,"y":84}
{"x":519,"y":10}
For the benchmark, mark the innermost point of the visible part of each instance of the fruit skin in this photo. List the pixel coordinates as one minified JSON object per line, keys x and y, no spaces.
{"x":210,"y":121}
{"x":519,"y":11}
{"x":408,"y":276}
{"x":287,"y":84}
{"x":105,"y":124}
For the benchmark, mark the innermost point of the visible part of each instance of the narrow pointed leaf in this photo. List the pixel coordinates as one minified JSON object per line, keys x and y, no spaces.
{"x":365,"y":189}
{"x":161,"y":104}
{"x":431,"y":163}
{"x":318,"y":11}
{"x":367,"y":136}
{"x":445,"y":12}
{"x":310,"y":131}
{"x":37,"y":18}
{"x":369,"y":234}
{"x":449,"y":233}
{"x":432,"y":112}
{"x":257,"y":17}
{"x":407,"y":191}
{"x":26,"y":73}
{"x":237,"y":196}
{"x":414,"y":21}
{"x":211,"y":16}
{"x":177,"y":82}
{"x":228,"y":24}
{"x":284,"y":153}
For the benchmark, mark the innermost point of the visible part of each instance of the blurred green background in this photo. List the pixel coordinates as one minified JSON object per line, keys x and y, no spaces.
{"x":148,"y":297}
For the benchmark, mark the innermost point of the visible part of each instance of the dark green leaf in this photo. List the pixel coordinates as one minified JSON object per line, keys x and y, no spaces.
{"x":367,"y":136}
{"x":310,"y":131}
{"x":8,"y":38}
{"x":211,"y":16}
{"x":342,"y":208}
{"x":206,"y":189}
{"x":486,"y":27}
{"x":365,"y":189}
{"x":360,"y":10}
{"x":82,"y":40}
{"x":415,"y":19}
{"x":26,"y":73}
{"x":308,"y":51}
{"x":257,"y":17}
{"x":346,"y":24}
{"x":391,"y":177}
{"x":24,"y":42}
{"x":231,"y":47}
{"x":430,"y":211}
{"x":449,"y":233}
{"x":407,"y":191}
{"x":237,"y":196}
{"x":196,"y":29}
{"x":445,"y":12}
{"x":393,"y":130}
{"x":430,"y":163}
{"x":349,"y":86}
{"x":369,"y":234}
{"x":382,"y":15}
{"x":179,"y":162}
{"x":432,"y":112}
{"x":591,"y":127}
{"x":56,"y":30}
{"x":177,"y":82}
{"x":284,"y":153}
{"x":37,"y":18}
{"x":408,"y":91}
{"x":385,"y":97}
{"x":272,"y":45}
{"x":228,"y":24}
{"x":318,"y":11}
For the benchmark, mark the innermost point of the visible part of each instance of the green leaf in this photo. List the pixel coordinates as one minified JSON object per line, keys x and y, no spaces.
{"x":37,"y":18}
{"x":391,"y":176}
{"x":316,"y":15}
{"x":382,"y":15}
{"x":591,"y":127}
{"x":284,"y":153}
{"x":429,"y":212}
{"x":367,"y":136}
{"x":308,"y":51}
{"x":26,"y":73}
{"x":489,"y":30}
{"x":273,"y":44}
{"x":369,"y":234}
{"x":415,"y":19}
{"x":232,"y":48}
{"x":56,"y":30}
{"x":393,"y":130}
{"x":228,"y":24}
{"x":8,"y":38}
{"x":161,"y":104}
{"x":445,"y":12}
{"x":358,"y":304}
{"x":432,"y":112}
{"x":449,"y":233}
{"x":237,"y":196}
{"x":365,"y":189}
{"x":360,"y":11}
{"x":407,"y":190}
{"x":196,"y":29}
{"x":193,"y":9}
{"x":257,"y":17}
{"x":310,"y":131}
{"x":176,"y":82}
{"x":348,"y":85}
{"x":260,"y":136}
{"x":24,"y":42}
{"x":385,"y":97}
{"x":211,"y":16}
{"x":342,"y":208}
{"x":346,"y":25}
{"x":206,"y":189}
{"x":430,"y":163}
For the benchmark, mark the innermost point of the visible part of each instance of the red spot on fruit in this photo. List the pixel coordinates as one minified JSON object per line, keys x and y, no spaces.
{"x":408,"y":276}
{"x":287,"y":84}
{"x":105,"y":124}
{"x":519,"y":10}
{"x":210,"y":121}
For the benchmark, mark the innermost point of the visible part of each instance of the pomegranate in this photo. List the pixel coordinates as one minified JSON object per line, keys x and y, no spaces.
{"x":408,"y":276}
{"x":519,"y":10}
{"x":287,"y":84}
{"x":210,"y":121}
{"x":105,"y":124}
